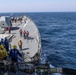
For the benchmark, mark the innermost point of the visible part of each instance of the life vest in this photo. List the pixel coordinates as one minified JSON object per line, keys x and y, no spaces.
{"x":20,"y":30}
{"x":27,"y":33}
{"x":24,"y":32}
{"x":9,"y":28}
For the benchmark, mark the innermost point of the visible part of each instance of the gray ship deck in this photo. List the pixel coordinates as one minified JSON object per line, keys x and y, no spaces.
{"x":30,"y":45}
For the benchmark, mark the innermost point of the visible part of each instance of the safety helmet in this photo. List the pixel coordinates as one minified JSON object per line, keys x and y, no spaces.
{"x":19,"y":39}
{"x":1,"y":46}
{"x":14,"y":46}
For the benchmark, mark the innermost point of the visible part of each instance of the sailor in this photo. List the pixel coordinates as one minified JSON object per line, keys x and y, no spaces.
{"x":6,"y":42}
{"x":9,"y":29}
{"x":2,"y":41}
{"x":3,"y":52}
{"x":15,"y":20}
{"x":27,"y":34}
{"x":20,"y":32}
{"x":20,"y":44}
{"x":14,"y":54}
{"x":21,"y":20}
{"x":24,"y":34}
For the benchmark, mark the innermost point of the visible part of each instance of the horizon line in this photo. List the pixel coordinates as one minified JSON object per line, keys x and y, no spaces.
{"x":39,"y":12}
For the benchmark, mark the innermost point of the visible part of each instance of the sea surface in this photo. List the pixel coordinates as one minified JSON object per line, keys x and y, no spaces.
{"x":58,"y":36}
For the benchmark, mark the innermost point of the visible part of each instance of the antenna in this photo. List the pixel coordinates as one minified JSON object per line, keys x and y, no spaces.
{"x":11,"y":14}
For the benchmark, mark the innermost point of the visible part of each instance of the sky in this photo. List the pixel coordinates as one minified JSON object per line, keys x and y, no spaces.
{"x":37,"y":5}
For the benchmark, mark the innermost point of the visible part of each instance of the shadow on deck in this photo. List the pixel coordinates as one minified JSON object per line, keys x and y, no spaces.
{"x":25,"y":48}
{"x":14,"y":28}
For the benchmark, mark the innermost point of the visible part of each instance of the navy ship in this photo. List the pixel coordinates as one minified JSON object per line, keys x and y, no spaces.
{"x":31,"y":48}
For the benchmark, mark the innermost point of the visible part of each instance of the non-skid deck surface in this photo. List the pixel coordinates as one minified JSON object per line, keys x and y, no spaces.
{"x":30,"y":45}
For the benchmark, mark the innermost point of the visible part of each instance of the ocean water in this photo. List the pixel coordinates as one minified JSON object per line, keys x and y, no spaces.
{"x":58,"y":36}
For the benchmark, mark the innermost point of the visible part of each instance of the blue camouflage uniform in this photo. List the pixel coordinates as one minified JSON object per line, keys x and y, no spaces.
{"x":2,"y":41}
{"x":6,"y":42}
{"x":14,"y":55}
